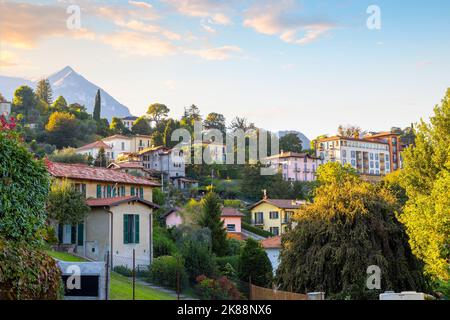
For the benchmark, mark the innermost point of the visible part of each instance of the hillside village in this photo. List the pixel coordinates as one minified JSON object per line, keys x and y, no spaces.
{"x":140,"y":200}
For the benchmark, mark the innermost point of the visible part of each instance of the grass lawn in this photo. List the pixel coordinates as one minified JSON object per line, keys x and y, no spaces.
{"x":121,"y":288}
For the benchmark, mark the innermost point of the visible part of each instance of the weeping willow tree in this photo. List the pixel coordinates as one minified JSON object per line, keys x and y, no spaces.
{"x":350,"y":226}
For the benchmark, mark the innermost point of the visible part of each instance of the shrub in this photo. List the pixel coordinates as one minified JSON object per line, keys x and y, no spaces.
{"x":198,"y":260}
{"x":123,"y":270}
{"x":163,"y":245}
{"x":254,"y":264}
{"x":234,"y":247}
{"x":256,"y":230}
{"x":217,"y":289}
{"x":165,"y":270}
{"x":27,"y":273}
{"x":223,"y":261}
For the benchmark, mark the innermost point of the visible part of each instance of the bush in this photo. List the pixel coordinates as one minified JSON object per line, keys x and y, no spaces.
{"x":234,"y":247}
{"x":164,"y":271}
{"x":217,"y":289}
{"x":163,"y":245}
{"x":198,"y":260}
{"x":254,"y":264}
{"x":223,"y":261}
{"x":256,"y":230}
{"x":123,"y":270}
{"x":27,"y":273}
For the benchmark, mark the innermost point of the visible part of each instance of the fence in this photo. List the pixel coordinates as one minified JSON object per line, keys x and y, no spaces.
{"x":259,"y":293}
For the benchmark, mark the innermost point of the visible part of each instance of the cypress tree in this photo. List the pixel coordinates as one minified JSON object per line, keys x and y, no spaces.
{"x":97,"y":106}
{"x":44,"y":91}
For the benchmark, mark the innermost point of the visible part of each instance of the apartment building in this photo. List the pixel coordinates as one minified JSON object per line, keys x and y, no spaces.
{"x":368,"y":157}
{"x":393,"y":140}
{"x":120,"y":219}
{"x":295,"y":166}
{"x":92,"y":149}
{"x":129,"y":121}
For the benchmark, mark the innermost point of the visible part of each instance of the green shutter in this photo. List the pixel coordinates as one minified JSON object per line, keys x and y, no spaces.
{"x":136,"y":228}
{"x":99,"y":191}
{"x":125,"y":228}
{"x":80,"y":234}
{"x":141,"y":193}
{"x":109,"y":192}
{"x":73,"y":235}
{"x":132,"y":191}
{"x":60,"y":232}
{"x":114,"y":192}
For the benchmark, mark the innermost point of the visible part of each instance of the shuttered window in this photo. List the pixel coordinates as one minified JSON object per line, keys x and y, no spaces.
{"x":131,"y":228}
{"x":80,"y":234}
{"x":108,"y":192}
{"x":99,"y":191}
{"x":132,"y":191}
{"x":141,"y":193}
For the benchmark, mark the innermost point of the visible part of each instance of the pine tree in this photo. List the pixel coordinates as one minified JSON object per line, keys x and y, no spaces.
{"x":44,"y":91}
{"x":210,"y":218}
{"x":254,"y":264}
{"x":97,"y":106}
{"x":101,"y":160}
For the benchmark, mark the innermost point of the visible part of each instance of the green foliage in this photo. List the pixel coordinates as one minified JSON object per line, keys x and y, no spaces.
{"x":101,"y":160}
{"x":215,"y":121}
{"x":123,"y":270}
{"x":141,"y":126}
{"x":97,"y":106}
{"x":233,"y":203}
{"x":426,"y":178}
{"x":157,"y":112}
{"x":222,"y":262}
{"x":66,"y":204}
{"x":234,"y":247}
{"x":157,"y":138}
{"x":171,"y":126}
{"x":350,"y":226}
{"x":68,"y":155}
{"x":60,"y":105}
{"x":211,"y":218}
{"x":62,"y":129}
{"x":117,"y":127}
{"x":24,"y":101}
{"x":24,"y":187}
{"x":44,"y":91}
{"x":198,"y":260}
{"x":167,"y":271}
{"x":163,"y":245}
{"x":291,"y":143}
{"x":254,"y":264}
{"x":256,"y":230}
{"x":159,"y":197}
{"x":27,"y":273}
{"x":217,"y":289}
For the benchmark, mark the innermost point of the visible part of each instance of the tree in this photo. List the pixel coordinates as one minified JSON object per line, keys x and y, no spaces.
{"x":242,"y":124}
{"x":101,"y":160}
{"x":68,"y":155}
{"x":254,"y":265}
{"x":157,"y":138}
{"x":210,"y":218}
{"x":350,"y":131}
{"x":171,"y":126}
{"x":291,"y":143}
{"x":24,"y":101}
{"x":60,"y":105}
{"x":24,"y":188}
{"x":97,"y":106}
{"x":215,"y":121}
{"x":198,"y":260}
{"x":103,"y":127}
{"x":66,"y":205}
{"x":141,"y":126}
{"x":62,"y":129}
{"x":350,"y":226}
{"x":44,"y":91}
{"x":157,"y":112}
{"x":117,"y":126}
{"x":426,"y":178}
{"x":313,"y":145}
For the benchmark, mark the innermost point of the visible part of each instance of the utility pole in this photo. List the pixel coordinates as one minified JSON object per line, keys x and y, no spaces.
{"x":212,"y":178}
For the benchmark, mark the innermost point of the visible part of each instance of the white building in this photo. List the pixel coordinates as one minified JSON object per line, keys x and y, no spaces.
{"x":295,"y":166}
{"x":168,"y":161}
{"x":5,"y":108}
{"x":129,"y":121}
{"x":93,"y":149}
{"x":366,"y":156}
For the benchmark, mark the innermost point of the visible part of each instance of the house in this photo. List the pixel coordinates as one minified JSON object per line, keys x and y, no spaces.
{"x":5,"y":108}
{"x":121,"y":215}
{"x":129,"y":121}
{"x":232,"y":220}
{"x":369,"y":157}
{"x":395,"y":147}
{"x":134,"y":168}
{"x":274,"y":215}
{"x":272,"y":246}
{"x":295,"y":166}
{"x":173,"y":217}
{"x":93,"y":149}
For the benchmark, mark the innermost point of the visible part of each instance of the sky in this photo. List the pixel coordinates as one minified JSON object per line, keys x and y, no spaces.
{"x":308,"y":66}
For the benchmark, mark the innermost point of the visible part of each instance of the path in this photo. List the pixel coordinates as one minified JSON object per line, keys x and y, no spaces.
{"x":168,"y":291}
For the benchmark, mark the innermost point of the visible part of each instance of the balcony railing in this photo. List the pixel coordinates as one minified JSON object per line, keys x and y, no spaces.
{"x":258,"y":222}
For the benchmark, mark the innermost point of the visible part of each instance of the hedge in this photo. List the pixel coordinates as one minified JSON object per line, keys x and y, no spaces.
{"x":256,"y":230}
{"x":164,"y":271}
{"x":222,"y":261}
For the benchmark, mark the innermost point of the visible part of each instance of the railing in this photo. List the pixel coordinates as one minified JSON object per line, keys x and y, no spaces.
{"x":258,"y":222}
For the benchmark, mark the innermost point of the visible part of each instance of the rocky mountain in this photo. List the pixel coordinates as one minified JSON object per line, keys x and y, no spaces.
{"x":73,"y":87}
{"x":305,"y":141}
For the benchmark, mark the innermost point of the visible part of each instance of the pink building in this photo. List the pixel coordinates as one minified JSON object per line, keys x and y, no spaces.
{"x":173,"y":217}
{"x":231,"y":218}
{"x":295,"y":166}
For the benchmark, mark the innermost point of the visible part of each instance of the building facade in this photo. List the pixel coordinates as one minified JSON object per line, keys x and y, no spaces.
{"x":93,"y":149}
{"x":128,"y":121}
{"x":274,"y":215}
{"x":295,"y":166}
{"x":232,"y":221}
{"x":169,"y":162}
{"x":395,"y":147}
{"x":5,"y":108}
{"x":367,"y":157}
{"x":120,"y":219}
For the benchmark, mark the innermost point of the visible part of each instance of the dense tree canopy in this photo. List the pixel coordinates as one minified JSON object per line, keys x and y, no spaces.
{"x":24,"y":101}
{"x":62,"y":129}
{"x":97,"y":106}
{"x":215,"y":121}
{"x":157,"y":112}
{"x":254,"y":265}
{"x":350,"y":226}
{"x":141,"y":126}
{"x":291,"y":143}
{"x":44,"y":91}
{"x":426,"y":178}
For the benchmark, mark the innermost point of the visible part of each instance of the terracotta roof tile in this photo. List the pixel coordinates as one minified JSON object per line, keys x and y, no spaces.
{"x":107,"y":202}
{"x":96,"y":144}
{"x":271,"y":243}
{"x":281,"y":203}
{"x":85,"y":172}
{"x":231,"y":212}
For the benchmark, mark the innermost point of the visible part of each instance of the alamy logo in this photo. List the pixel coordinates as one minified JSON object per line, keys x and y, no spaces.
{"x":74,"y":20}
{"x":74,"y":280}
{"x":374,"y":20}
{"x":374,"y":280}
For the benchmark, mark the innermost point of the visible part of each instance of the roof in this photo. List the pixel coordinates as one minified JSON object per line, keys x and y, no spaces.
{"x":185,"y":179}
{"x":85,"y":172}
{"x":108,"y":202}
{"x":349,"y":138}
{"x":271,"y":243}
{"x":130,"y":118}
{"x":231,"y":212}
{"x":281,"y":203}
{"x":116,"y":136}
{"x":171,"y":210}
{"x":153,"y":149}
{"x":292,"y":155}
{"x":381,"y":134}
{"x":126,"y":165}
{"x":94,"y":145}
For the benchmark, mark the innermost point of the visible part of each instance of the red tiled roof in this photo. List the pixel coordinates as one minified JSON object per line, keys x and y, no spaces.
{"x":127,"y":165}
{"x":108,"y":202}
{"x":334,"y":138}
{"x":231,"y":212}
{"x":281,"y":203}
{"x":96,"y":144}
{"x":292,"y":155}
{"x":85,"y":172}
{"x":271,"y":243}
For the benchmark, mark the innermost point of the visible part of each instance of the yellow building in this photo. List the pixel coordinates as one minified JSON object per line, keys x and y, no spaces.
{"x":120,"y":219}
{"x":274,"y":215}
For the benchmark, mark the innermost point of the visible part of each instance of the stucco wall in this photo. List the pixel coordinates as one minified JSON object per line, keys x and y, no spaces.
{"x":266,"y":208}
{"x":173,"y":220}
{"x":97,"y":226}
{"x":232,"y":220}
{"x":273,"y":255}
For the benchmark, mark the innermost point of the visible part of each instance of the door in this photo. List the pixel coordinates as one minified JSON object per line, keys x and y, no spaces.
{"x":67,"y":234}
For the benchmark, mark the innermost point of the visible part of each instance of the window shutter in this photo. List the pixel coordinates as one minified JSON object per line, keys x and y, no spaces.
{"x":132,"y":191}
{"x":109,"y":192}
{"x":73,"y":235}
{"x":80,"y":233}
{"x":114,"y":192}
{"x":141,"y":193}
{"x":136,"y":228}
{"x":60,"y":232}
{"x":99,"y":191}
{"x":125,"y":228}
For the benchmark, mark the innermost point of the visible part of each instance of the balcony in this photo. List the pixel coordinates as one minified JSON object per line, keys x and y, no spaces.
{"x":258,"y":222}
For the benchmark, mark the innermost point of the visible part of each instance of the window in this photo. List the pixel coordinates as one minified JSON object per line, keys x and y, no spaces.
{"x":123,"y":146}
{"x":99,"y":191}
{"x":259,"y":218}
{"x":275,"y":231}
{"x":108,"y":191}
{"x":344,"y":153}
{"x":81,"y":187}
{"x":371,"y":156}
{"x":130,"y":228}
{"x":141,"y":193}
{"x":371,"y":164}
{"x":377,"y":165}
{"x":273,"y":215}
{"x":132,"y":191}
{"x":231,"y":227}
{"x":376,"y":156}
{"x":353,"y":153}
{"x":354,"y":163}
{"x":122,"y":191}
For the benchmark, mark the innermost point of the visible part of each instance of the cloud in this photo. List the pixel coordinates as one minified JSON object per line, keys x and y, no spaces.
{"x":212,"y":9}
{"x":218,"y":53}
{"x":279,"y":18}
{"x":8,"y":59}
{"x":141,"y":4}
